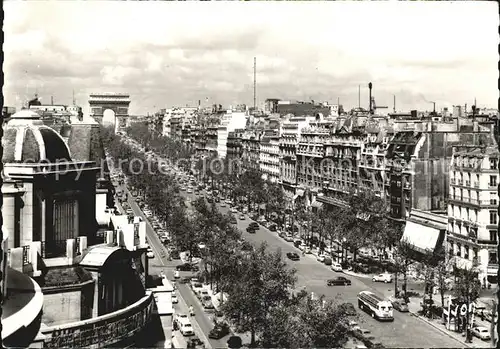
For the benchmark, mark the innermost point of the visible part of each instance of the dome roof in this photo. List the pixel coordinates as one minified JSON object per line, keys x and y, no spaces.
{"x":27,"y":140}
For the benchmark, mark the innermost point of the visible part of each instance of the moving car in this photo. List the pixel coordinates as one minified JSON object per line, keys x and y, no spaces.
{"x":320,"y":257}
{"x":384,"y":277}
{"x":150,"y":253}
{"x":219,"y":331}
{"x":251,"y":230}
{"x":342,"y":281}
{"x":481,"y":332}
{"x":293,"y":256}
{"x":234,"y":210}
{"x":242,"y":217}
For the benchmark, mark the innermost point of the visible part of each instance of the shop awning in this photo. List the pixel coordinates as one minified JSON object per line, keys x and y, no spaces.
{"x":423,"y":238}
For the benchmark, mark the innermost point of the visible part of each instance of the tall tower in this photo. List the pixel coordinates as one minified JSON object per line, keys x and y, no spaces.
{"x":254,"y":83}
{"x":370,"y":85}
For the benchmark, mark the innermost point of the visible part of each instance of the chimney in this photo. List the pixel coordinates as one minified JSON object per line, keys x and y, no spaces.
{"x":370,"y":85}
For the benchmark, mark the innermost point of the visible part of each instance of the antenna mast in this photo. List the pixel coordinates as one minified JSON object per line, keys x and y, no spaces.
{"x":359,"y":96}
{"x":254,"y":83}
{"x":74,"y":101}
{"x":394,"y":108}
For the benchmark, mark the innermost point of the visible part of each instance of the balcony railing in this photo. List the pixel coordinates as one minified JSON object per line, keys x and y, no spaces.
{"x":104,"y":330}
{"x":476,"y":184}
{"x":467,"y":183}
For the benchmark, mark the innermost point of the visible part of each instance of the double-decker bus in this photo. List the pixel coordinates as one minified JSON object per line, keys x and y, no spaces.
{"x":377,"y":307}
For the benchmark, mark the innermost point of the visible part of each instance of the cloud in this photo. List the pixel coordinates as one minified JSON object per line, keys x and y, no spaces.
{"x":167,"y":53}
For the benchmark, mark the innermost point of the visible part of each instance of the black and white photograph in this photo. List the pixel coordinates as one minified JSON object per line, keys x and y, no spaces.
{"x":250,"y":174}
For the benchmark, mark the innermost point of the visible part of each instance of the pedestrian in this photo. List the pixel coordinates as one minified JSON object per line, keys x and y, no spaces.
{"x":191,"y":310}
{"x":482,"y":315}
{"x":176,"y":326}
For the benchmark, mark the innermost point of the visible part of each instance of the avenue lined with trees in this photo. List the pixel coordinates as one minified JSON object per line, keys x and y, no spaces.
{"x":257,"y":281}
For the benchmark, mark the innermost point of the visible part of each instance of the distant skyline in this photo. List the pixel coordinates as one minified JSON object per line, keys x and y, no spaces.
{"x":168,"y":54}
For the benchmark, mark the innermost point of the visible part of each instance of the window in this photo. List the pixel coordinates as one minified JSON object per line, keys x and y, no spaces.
{"x":493,"y":217}
{"x":493,"y":181}
{"x":459,"y":250}
{"x":493,"y":258}
{"x":493,"y":235}
{"x":493,"y":164}
{"x":493,"y":198}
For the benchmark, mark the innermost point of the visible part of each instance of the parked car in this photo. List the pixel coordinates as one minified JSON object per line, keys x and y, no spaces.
{"x":384,"y":277}
{"x":200,"y":294}
{"x":400,"y":305}
{"x":254,"y":225}
{"x":234,"y":210}
{"x":222,"y":204}
{"x":242,"y":217}
{"x":297,"y":243}
{"x":233,"y":220}
{"x":293,"y":256}
{"x":320,"y":257}
{"x":187,"y":267}
{"x":175,"y":300}
{"x":207,"y":304}
{"x":342,"y":281}
{"x":251,"y":230}
{"x":481,"y":332}
{"x":219,"y":331}
{"x":273,"y":227}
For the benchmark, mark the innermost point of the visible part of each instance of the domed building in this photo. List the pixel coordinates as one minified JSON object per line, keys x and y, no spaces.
{"x":57,"y":197}
{"x":90,"y":286}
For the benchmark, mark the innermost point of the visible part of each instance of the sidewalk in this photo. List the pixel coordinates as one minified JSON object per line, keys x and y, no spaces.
{"x":415,"y":307}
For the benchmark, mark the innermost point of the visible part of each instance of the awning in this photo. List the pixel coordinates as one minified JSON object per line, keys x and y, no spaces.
{"x":423,"y":238}
{"x":300,"y":192}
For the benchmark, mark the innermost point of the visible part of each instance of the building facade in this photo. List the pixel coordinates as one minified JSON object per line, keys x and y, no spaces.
{"x":270,"y":156}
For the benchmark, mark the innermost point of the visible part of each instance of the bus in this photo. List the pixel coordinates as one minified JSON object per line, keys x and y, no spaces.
{"x":377,"y":307}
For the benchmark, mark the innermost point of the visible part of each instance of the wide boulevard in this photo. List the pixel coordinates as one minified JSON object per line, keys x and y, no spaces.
{"x":405,"y":331}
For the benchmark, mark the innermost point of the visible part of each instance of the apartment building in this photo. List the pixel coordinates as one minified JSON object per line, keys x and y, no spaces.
{"x":342,"y":152}
{"x":212,"y":132}
{"x":289,"y":138}
{"x":418,"y":157}
{"x":230,"y":121}
{"x":373,"y":162}
{"x":473,"y":209}
{"x":270,"y":155}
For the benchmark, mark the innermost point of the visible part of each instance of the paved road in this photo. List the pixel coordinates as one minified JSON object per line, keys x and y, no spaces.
{"x":405,"y":331}
{"x":157,"y":264}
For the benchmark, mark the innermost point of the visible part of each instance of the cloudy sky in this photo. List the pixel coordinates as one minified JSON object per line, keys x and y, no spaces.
{"x":176,"y":53}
